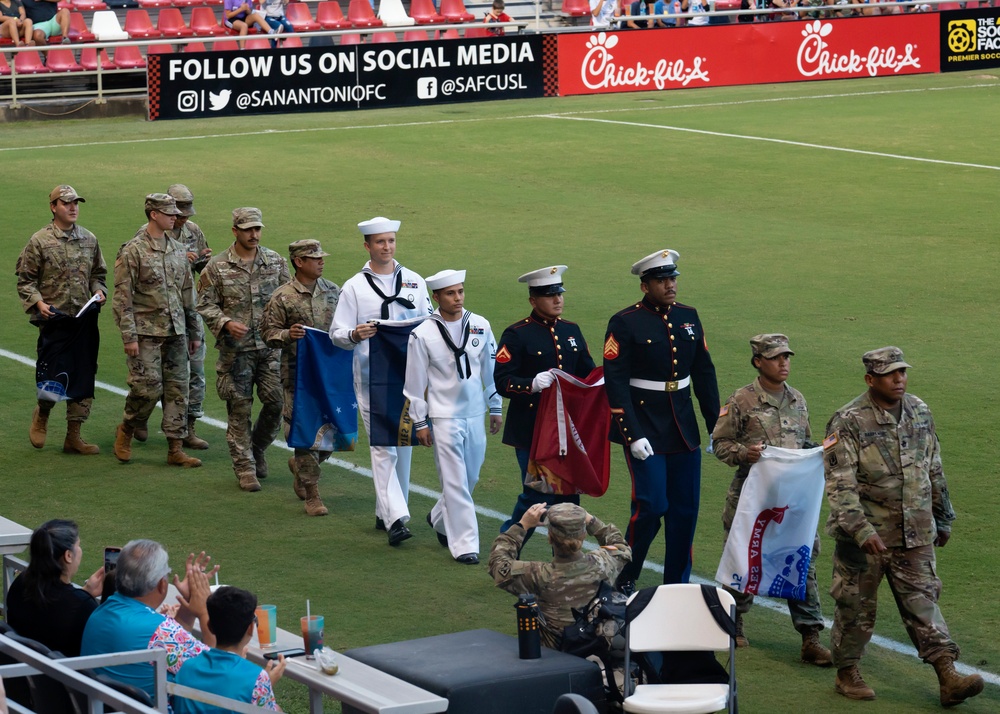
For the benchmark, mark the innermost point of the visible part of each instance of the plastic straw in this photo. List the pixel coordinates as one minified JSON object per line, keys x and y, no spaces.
{"x":307,"y":609}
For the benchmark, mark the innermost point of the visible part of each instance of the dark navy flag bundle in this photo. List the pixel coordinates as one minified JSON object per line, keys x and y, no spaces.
{"x":390,"y":423}
{"x":325,"y":415}
{"x":67,"y":355}
{"x":770,"y":543}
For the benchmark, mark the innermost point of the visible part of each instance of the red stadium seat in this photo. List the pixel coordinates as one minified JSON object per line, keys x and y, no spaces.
{"x":257,"y":43}
{"x":195,"y":47}
{"x":298,"y":14}
{"x":352,"y":39}
{"x":424,"y":13}
{"x":576,"y":8}
{"x":129,"y":57}
{"x":155,"y":3}
{"x":477,"y":31}
{"x":89,"y":58}
{"x":4,"y":67}
{"x":29,"y":62}
{"x":225,"y":46}
{"x":204,"y":23}
{"x":139,"y":26}
{"x":451,"y":34}
{"x":170,"y":23}
{"x":89,"y":5}
{"x":292,"y":42}
{"x":415,"y":36}
{"x":63,"y":61}
{"x":383,"y":37}
{"x":78,"y":31}
{"x":360,"y":13}
{"x":454,"y":11}
{"x":949,"y":6}
{"x":330,"y":16}
{"x":160,"y":50}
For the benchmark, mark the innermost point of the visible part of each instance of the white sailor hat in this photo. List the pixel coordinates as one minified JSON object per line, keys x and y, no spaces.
{"x":661,"y":264}
{"x":379,"y":224}
{"x":445,"y":279}
{"x":545,"y":281}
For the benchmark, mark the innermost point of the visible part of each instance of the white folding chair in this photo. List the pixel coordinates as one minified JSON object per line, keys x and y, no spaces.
{"x":393,"y":14}
{"x":678,"y":619}
{"x":106,"y":27}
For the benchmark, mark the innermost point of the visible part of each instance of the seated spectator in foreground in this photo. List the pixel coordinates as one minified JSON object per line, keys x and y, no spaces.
{"x":497,"y":14}
{"x":224,"y":670}
{"x":14,"y":22}
{"x":43,"y":604}
{"x":274,"y":16}
{"x":700,"y":7}
{"x":129,"y":620}
{"x":47,"y":19}
{"x":636,"y":9}
{"x":238,"y":15}
{"x":666,"y":7}
{"x":571,"y":579}
{"x":603,"y":11}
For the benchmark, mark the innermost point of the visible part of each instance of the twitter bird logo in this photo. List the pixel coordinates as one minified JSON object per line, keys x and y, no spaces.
{"x":218,"y":102}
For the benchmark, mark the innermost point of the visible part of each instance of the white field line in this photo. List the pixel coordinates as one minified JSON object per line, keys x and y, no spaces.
{"x":369,"y":127}
{"x":771,"y":604}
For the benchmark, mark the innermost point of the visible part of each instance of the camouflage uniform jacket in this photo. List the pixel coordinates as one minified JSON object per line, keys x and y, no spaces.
{"x":295,"y":304}
{"x":232,"y":289}
{"x":752,"y":415}
{"x":63,"y":268}
{"x":563,"y":584}
{"x":154,"y":290}
{"x":190,"y":236}
{"x":883,"y":477}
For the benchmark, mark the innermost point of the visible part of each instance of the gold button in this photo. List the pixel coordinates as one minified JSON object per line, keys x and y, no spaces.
{"x":649,"y":342}
{"x":641,"y":402}
{"x":671,"y":339}
{"x":558,"y":347}
{"x":670,"y":324}
{"x":674,"y":349}
{"x":666,"y":318}
{"x":556,"y":338}
{"x":675,"y":361}
{"x":539,"y":353}
{"x":552,"y":329}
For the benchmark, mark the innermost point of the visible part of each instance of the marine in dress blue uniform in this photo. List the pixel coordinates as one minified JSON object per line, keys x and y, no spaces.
{"x":654,"y":355}
{"x":527,"y":350}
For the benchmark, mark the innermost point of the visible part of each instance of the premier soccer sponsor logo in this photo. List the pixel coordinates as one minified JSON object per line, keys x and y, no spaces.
{"x":973,"y":39}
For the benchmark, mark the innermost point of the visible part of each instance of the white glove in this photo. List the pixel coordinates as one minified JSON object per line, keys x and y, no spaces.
{"x":542,"y":380}
{"x":710,"y":449}
{"x":641,"y":449}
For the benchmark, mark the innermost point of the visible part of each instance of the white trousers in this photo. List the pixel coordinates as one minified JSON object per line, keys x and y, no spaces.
{"x":390,"y":471}
{"x":459,"y":453}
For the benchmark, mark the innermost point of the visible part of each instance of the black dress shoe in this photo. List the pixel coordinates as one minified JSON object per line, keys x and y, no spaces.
{"x":398,"y":532}
{"x":379,"y":524}
{"x":625,"y":586}
{"x":442,"y":538}
{"x":468,"y":559}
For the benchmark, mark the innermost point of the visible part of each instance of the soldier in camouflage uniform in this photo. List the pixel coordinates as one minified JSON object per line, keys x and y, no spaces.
{"x":308,"y":301}
{"x":232,"y":292}
{"x":889,"y":507}
{"x":154,"y":308}
{"x":60,"y":269}
{"x":571,"y":579}
{"x":765,"y":413}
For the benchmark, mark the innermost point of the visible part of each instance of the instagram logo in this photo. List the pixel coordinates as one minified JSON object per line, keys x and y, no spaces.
{"x":427,"y":87}
{"x":188,"y":101}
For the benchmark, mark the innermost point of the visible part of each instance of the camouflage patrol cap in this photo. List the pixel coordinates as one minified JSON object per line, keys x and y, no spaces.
{"x":884,"y":360}
{"x":247,"y":218}
{"x":162,"y":203}
{"x":566,"y":520}
{"x":307,"y":248}
{"x":65,"y":193}
{"x":770,"y":345}
{"x":184,"y":198}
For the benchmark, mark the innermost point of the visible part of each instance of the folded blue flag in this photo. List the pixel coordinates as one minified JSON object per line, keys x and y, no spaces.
{"x":325,"y":413}
{"x":390,"y":411}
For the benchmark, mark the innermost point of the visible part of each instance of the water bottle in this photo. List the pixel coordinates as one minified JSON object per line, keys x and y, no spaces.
{"x":529,"y":642}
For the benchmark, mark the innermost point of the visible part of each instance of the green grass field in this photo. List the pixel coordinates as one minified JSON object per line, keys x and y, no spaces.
{"x":848,"y":215}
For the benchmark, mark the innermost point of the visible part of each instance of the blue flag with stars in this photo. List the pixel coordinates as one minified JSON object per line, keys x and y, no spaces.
{"x":325,"y":412}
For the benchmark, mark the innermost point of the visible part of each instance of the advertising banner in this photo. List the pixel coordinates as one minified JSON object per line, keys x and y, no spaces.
{"x":970,"y":39}
{"x":757,"y":53}
{"x":334,"y":77}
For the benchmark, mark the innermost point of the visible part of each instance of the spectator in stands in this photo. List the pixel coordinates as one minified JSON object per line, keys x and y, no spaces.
{"x":48,"y":19}
{"x":699,"y":7}
{"x":274,"y":16}
{"x":666,"y":7}
{"x":129,"y":620}
{"x":497,"y":14}
{"x":239,"y":16}
{"x":571,"y":579}
{"x":224,"y":670}
{"x":14,"y":23}
{"x":636,"y":9}
{"x":602,"y":12}
{"x":749,"y":5}
{"x":43,"y":603}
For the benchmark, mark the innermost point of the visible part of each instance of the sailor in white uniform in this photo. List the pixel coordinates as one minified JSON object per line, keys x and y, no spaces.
{"x":383,"y":290}
{"x":449,"y":382}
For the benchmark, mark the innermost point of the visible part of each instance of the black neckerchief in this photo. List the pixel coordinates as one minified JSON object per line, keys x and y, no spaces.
{"x":458,"y":351}
{"x":387,"y":300}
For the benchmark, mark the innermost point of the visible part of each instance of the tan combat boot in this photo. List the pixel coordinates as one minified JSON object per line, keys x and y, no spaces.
{"x":741,"y":639}
{"x":955,"y":688}
{"x":851,"y":685}
{"x":297,"y":486}
{"x":39,"y":428}
{"x":813,"y":652}
{"x":74,"y":443}
{"x":123,"y":442}
{"x":192,"y":440}
{"x":260,"y":463}
{"x":141,"y":432}
{"x":177,"y":457}
{"x":248,"y":482}
{"x":314,"y":504}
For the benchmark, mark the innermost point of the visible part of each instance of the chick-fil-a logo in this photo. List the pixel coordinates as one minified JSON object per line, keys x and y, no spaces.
{"x":815,"y":57}
{"x":599,"y":71}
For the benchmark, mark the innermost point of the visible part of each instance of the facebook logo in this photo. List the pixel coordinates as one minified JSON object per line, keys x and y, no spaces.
{"x":427,"y":87}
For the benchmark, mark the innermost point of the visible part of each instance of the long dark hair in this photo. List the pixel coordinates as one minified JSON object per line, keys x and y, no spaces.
{"x":49,"y":543}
